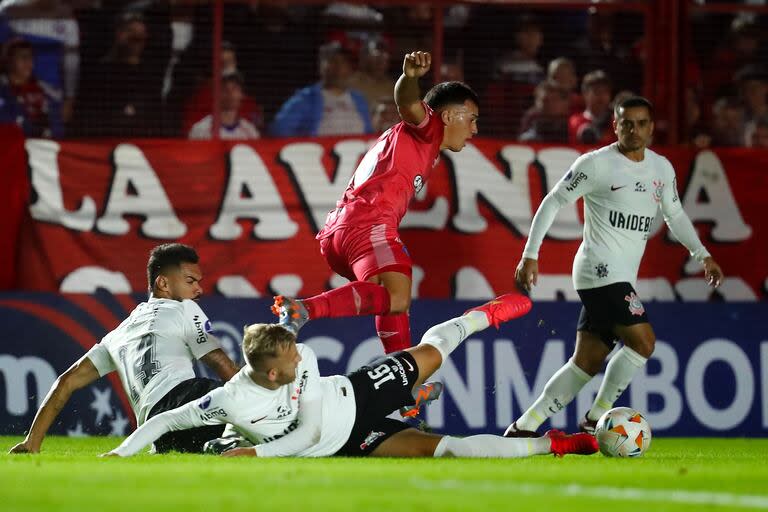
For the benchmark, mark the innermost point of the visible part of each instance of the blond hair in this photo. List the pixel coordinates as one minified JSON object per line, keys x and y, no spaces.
{"x":261,"y":341}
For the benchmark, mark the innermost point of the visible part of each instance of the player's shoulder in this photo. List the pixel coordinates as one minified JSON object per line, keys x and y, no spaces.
{"x":305,"y":350}
{"x":660,"y":161}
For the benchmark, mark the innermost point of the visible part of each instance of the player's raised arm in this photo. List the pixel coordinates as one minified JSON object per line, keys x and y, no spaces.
{"x":407,"y":91}
{"x":79,"y":375}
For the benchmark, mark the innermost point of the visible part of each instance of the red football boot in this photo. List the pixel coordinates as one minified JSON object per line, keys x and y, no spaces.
{"x":504,"y":308}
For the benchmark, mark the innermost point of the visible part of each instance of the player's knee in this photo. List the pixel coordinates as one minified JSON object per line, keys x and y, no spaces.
{"x":591,"y":364}
{"x":645,"y":346}
{"x":399,"y":302}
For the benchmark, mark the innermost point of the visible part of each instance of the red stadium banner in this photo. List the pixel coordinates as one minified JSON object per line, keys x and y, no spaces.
{"x":252,"y":210}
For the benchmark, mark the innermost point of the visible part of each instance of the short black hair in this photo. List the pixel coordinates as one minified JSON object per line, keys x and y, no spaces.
{"x":632,"y":102}
{"x":450,"y":93}
{"x":168,"y":255}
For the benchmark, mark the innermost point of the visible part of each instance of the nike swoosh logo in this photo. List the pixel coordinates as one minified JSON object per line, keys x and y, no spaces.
{"x":410,"y":366}
{"x":386,"y":334}
{"x":614,"y":189}
{"x":258,"y":420}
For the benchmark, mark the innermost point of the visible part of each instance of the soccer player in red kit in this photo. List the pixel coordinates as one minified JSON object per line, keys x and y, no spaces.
{"x":360,"y":239}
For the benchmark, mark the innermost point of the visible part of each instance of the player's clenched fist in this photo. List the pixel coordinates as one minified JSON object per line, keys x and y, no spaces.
{"x":416,"y":64}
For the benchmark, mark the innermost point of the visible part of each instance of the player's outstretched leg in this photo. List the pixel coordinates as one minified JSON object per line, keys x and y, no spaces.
{"x":490,"y":446}
{"x":442,"y":339}
{"x":413,"y":443}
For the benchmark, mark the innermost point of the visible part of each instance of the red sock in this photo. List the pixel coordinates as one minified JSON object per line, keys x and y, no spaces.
{"x":358,"y":298}
{"x":394,"y":331}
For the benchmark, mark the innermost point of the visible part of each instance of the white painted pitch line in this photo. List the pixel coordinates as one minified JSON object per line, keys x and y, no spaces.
{"x":604,"y":492}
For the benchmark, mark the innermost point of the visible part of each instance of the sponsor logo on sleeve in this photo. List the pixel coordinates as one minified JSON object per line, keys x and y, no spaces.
{"x":201,"y":336}
{"x":675,"y":198}
{"x":213,"y":414}
{"x":575,"y":180}
{"x":207,"y":326}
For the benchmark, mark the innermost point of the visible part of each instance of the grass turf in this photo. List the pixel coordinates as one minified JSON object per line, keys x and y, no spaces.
{"x":676,"y":474}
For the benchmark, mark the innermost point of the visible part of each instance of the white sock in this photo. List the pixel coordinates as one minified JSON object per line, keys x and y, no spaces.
{"x":445,"y":337}
{"x":618,"y":374}
{"x":488,"y":446}
{"x":558,"y":392}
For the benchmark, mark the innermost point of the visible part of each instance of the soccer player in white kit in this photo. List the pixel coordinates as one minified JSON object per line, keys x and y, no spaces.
{"x":623,"y":186}
{"x":280,"y":403}
{"x":152,"y":351}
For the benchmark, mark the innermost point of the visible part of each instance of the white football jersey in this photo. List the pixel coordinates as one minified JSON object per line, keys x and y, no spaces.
{"x":263,"y":415}
{"x":621,"y":200}
{"x":153,"y":350}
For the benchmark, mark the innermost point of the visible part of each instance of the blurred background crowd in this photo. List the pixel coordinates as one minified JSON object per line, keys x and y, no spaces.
{"x":545,"y":72}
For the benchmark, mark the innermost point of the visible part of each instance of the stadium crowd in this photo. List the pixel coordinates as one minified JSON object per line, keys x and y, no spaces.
{"x":83,"y":68}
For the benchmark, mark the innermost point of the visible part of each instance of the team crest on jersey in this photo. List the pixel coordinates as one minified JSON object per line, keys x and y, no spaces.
{"x":370,"y":438}
{"x":418,"y":183}
{"x":658,"y":190}
{"x":635,"y":306}
{"x":601,"y":269}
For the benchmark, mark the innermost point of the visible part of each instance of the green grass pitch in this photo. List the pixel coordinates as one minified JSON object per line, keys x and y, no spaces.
{"x":675,"y":474}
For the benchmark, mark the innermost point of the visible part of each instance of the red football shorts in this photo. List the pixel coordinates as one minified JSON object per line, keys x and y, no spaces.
{"x":360,"y":253}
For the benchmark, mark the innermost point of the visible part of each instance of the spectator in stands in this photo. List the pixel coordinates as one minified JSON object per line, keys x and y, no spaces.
{"x":521,"y":63}
{"x":52,"y":29}
{"x":199,"y":105}
{"x":728,"y":122}
{"x":757,"y":133}
{"x":740,"y":49}
{"x":547,"y":120}
{"x":385,"y":114}
{"x":593,"y":125}
{"x":452,"y":67}
{"x":600,"y":49}
{"x":563,"y":71}
{"x":753,"y":90}
{"x":328,"y":107}
{"x":695,"y":131}
{"x":517,"y":73}
{"x":25,"y":99}
{"x":373,"y":78}
{"x":232,"y":125}
{"x":120,"y":96}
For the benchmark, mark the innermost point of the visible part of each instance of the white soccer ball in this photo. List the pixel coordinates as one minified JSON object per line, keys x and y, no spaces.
{"x":623,"y":432}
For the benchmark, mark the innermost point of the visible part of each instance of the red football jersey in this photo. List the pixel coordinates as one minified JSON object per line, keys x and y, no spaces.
{"x":389,"y":175}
